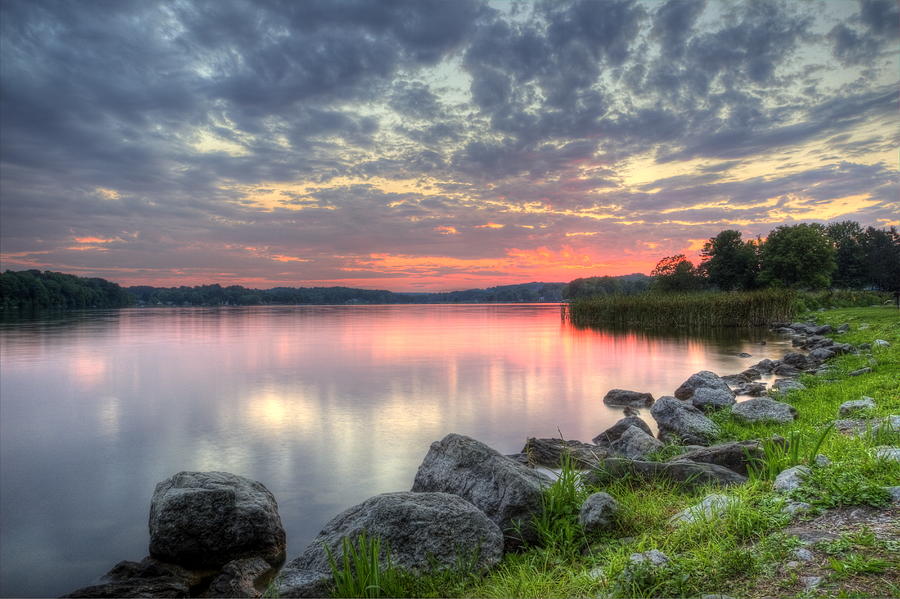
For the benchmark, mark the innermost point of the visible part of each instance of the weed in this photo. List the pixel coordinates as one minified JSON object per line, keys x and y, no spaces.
{"x":360,"y":572}
{"x":557,"y":524}
{"x":853,"y":564}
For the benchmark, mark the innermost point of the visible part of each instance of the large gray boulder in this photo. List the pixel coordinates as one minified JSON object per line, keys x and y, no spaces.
{"x":704,"y":378}
{"x":420,"y":531}
{"x":246,"y":577}
{"x":707,"y":398}
{"x":762,"y":409}
{"x":549,"y":452}
{"x":598,"y":512}
{"x":734,"y":455}
{"x":508,"y":492}
{"x":684,"y":473}
{"x":610,"y":435}
{"x":622,"y":397}
{"x":207,"y":519}
{"x":635,"y":444}
{"x":679,"y":421}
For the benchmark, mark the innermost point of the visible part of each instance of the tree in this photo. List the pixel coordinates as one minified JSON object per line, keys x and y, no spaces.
{"x":852,"y":269}
{"x":881,"y":248}
{"x":799,"y":256}
{"x":730,"y":263}
{"x":677,"y":273}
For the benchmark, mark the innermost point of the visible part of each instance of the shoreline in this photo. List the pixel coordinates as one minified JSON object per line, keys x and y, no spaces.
{"x":727,"y":432}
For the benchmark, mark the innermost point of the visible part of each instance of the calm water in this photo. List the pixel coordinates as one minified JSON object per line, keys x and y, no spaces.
{"x":324,"y":405}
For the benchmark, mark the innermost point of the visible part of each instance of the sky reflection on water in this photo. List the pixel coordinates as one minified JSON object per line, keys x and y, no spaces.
{"x":324,"y":405}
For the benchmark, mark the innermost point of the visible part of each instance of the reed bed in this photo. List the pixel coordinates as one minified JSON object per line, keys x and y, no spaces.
{"x":694,"y":310}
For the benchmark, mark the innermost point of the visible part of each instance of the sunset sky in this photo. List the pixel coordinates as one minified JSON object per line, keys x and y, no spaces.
{"x":418,"y":145}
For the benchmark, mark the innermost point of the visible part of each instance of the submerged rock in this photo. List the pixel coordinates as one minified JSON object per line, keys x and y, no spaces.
{"x":682,"y":422}
{"x":207,"y":519}
{"x":421,"y":531}
{"x":622,"y":397}
{"x":506,"y":491}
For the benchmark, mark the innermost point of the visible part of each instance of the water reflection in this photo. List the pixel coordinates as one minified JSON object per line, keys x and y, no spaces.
{"x":325,"y":405}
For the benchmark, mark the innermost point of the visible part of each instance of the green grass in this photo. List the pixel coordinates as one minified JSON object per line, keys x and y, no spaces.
{"x":740,"y":551}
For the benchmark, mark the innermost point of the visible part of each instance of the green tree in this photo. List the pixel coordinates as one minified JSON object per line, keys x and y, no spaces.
{"x":677,"y":273}
{"x":729,"y":262}
{"x":850,"y":256}
{"x":800,"y":256}
{"x":881,"y":248}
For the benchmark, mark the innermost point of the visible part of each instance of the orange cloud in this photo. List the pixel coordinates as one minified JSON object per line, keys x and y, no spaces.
{"x":446,"y":230}
{"x":490,"y":226}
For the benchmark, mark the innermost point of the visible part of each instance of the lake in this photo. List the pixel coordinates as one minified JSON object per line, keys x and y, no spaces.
{"x":325,"y":405}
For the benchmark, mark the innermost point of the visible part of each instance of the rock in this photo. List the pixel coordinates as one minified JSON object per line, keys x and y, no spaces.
{"x":782,"y":386}
{"x":613,"y":433}
{"x":708,"y":399}
{"x":822,"y":330}
{"x":506,"y":491}
{"x":683,"y":472}
{"x":863,"y":326}
{"x":792,"y":508}
{"x":842,"y":348}
{"x":153,"y":587}
{"x":802,"y":554}
{"x":207,"y":519}
{"x":790,"y":479}
{"x":761,"y":409}
{"x":597,"y":573}
{"x":843,"y":328}
{"x":704,"y":378}
{"x":894,"y":492}
{"x":736,"y":379}
{"x":598,"y":513}
{"x":715,"y":596}
{"x":635,"y":444}
{"x":422,"y":531}
{"x":821,"y":460}
{"x":549,"y":452}
{"x":786,"y":370}
{"x":751,"y":374}
{"x":751,"y":389}
{"x":292,"y":582}
{"x":864,"y":346}
{"x":880,"y":343}
{"x":711,"y":506}
{"x":733,"y":455}
{"x":683,"y":422}
{"x":765,"y":365}
{"x":850,"y":427}
{"x":247,"y":577}
{"x":848,"y":408}
{"x":810,"y":582}
{"x":821,"y":354}
{"x":653,"y":557}
{"x":889,"y":454}
{"x":621,"y":397}
{"x":797,"y":360}
{"x":860,"y":371}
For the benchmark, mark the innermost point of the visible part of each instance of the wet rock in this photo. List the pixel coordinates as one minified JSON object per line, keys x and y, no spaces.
{"x":598,"y":513}
{"x":702,"y":379}
{"x":733,"y":455}
{"x":821,"y":354}
{"x":506,"y":491}
{"x":786,"y":370}
{"x":682,"y":422}
{"x":683,"y":472}
{"x":207,"y":519}
{"x":613,"y":433}
{"x":549,"y":452}
{"x":782,"y":386}
{"x":635,"y":444}
{"x":751,"y":389}
{"x":766,"y":365}
{"x":849,"y":408}
{"x":736,"y":379}
{"x":761,"y":409}
{"x":422,"y":531}
{"x":797,"y":360}
{"x":708,"y":399}
{"x":860,"y":371}
{"x":242,"y":578}
{"x":751,"y":374}
{"x":790,"y":479}
{"x":622,"y":397}
{"x":711,"y":506}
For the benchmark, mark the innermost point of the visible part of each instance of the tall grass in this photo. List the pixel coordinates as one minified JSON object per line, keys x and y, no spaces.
{"x":706,"y":309}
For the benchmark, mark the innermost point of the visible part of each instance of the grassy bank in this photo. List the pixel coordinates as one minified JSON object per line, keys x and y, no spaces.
{"x":711,"y":309}
{"x":746,"y":552}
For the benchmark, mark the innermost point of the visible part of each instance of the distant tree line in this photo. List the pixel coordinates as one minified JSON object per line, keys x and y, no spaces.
{"x":841,"y":255}
{"x":599,"y":286}
{"x":36,"y":290}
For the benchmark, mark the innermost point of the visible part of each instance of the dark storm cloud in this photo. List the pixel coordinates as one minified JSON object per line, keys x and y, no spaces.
{"x":872,"y":32}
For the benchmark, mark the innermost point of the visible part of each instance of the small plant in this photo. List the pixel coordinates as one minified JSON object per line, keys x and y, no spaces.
{"x":833,"y":487}
{"x":854,"y":563}
{"x":360,"y":572}
{"x":778,"y":454}
{"x":557,"y":524}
